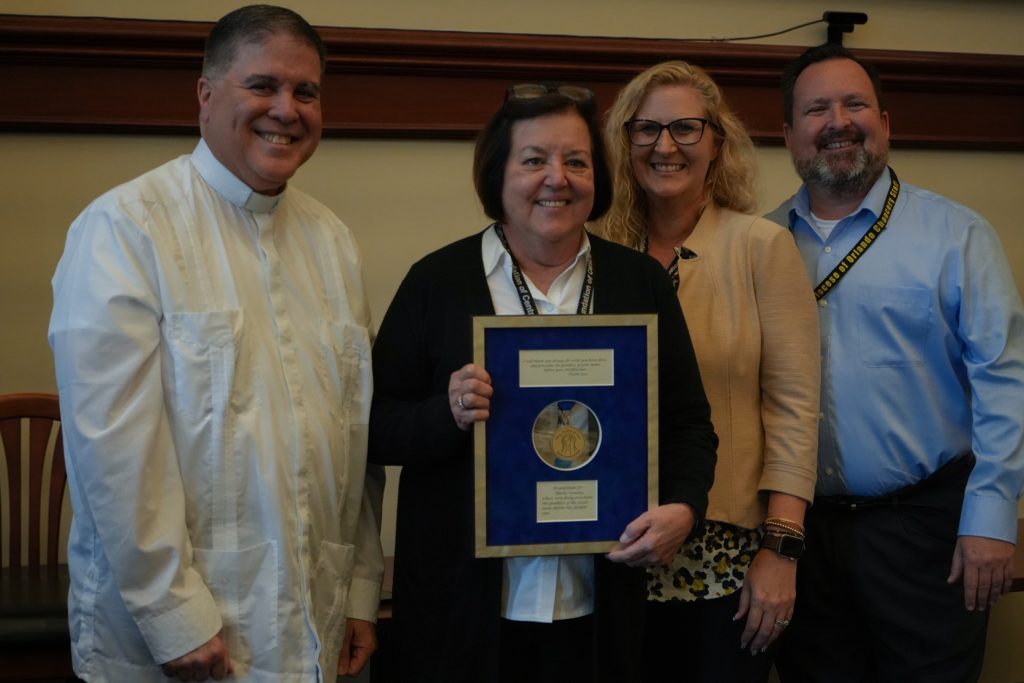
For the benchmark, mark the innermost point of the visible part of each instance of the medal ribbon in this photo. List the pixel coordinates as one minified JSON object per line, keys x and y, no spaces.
{"x":526,"y":297}
{"x":833,"y":278}
{"x":564,"y":409}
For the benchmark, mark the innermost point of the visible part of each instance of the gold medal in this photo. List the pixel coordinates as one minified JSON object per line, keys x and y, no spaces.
{"x":567,"y":443}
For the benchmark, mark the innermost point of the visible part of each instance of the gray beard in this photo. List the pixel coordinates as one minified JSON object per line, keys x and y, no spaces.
{"x":844,"y":178}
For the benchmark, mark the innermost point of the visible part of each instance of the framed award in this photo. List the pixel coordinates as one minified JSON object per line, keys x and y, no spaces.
{"x":569,"y":454}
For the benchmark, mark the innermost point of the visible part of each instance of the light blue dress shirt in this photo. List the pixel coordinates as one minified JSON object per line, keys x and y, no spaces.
{"x":922,"y":353}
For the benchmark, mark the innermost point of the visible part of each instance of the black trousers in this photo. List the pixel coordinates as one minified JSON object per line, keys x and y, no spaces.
{"x":698,"y":642}
{"x":559,"y":652}
{"x":873,"y":605}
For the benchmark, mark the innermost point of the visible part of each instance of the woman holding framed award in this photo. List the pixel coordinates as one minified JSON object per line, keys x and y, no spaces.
{"x":684,"y":180}
{"x":540,"y":172}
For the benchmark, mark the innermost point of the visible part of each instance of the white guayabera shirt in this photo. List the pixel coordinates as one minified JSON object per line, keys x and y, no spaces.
{"x":213,"y":360}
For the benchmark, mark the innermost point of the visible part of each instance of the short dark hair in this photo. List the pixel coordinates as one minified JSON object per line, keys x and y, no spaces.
{"x":823,"y":53}
{"x":254,"y":24}
{"x":494,"y":144}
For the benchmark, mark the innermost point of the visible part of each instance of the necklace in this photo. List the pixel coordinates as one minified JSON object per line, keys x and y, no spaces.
{"x":673,"y":268}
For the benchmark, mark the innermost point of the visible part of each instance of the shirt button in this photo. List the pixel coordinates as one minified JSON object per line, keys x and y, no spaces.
{"x":828,"y":250}
{"x":822,"y":303}
{"x":829,"y":471}
{"x":821,"y":416}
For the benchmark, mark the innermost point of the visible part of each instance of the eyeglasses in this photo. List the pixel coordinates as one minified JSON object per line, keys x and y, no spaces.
{"x":531,"y":91}
{"x":644,"y":133}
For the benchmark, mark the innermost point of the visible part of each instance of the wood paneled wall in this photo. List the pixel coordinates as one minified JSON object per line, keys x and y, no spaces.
{"x":80,"y":75}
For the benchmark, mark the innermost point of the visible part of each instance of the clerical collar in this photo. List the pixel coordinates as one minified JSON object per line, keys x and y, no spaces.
{"x":230,"y":186}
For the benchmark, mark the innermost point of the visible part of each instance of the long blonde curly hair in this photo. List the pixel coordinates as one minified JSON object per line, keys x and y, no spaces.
{"x":730,"y":179}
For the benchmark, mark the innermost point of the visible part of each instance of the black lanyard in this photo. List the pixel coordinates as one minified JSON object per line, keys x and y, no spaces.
{"x":833,"y":278}
{"x":673,"y":268}
{"x":526,"y":298}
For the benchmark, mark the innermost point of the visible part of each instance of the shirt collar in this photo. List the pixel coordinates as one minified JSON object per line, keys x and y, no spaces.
{"x":493,"y":252}
{"x":496,"y":256}
{"x":873,"y":202}
{"x":228,"y":185}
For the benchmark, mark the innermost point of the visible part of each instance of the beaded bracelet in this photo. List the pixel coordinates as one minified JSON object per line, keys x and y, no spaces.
{"x":785,"y":525}
{"x":785,"y":528}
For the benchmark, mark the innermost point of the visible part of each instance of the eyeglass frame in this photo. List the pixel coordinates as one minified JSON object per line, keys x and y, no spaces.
{"x":704,"y":123}
{"x":576,"y":93}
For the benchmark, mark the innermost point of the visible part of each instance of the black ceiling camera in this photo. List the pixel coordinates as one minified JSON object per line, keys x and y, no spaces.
{"x":840,"y":23}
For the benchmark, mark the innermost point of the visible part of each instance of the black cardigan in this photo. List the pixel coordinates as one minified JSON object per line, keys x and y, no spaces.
{"x":446,"y":603}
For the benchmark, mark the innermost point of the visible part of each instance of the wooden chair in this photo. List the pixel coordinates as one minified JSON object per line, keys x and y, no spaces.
{"x":34,"y":641}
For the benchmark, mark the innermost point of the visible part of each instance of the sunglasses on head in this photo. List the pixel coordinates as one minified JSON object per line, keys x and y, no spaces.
{"x":531,"y":91}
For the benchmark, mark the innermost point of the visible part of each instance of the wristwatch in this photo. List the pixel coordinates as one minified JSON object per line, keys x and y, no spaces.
{"x":788,"y":546}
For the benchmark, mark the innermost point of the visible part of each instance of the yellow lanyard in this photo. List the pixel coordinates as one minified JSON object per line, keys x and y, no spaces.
{"x":832,"y":279}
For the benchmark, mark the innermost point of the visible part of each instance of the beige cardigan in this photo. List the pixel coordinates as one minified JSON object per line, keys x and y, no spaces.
{"x":753,"y":320}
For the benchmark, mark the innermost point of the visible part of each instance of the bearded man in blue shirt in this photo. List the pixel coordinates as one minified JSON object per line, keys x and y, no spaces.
{"x":921,"y":454}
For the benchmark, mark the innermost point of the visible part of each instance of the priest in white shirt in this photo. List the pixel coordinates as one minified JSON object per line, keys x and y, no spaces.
{"x":211,"y":337}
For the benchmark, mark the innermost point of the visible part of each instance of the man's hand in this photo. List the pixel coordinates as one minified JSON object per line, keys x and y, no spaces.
{"x":655,"y":536}
{"x":360,"y":642}
{"x":209,"y":660}
{"x":986,"y":566}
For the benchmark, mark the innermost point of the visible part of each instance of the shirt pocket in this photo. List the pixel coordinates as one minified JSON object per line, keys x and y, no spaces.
{"x":346,"y":369}
{"x":244,"y":584}
{"x":204,"y":353}
{"x":329,"y":588}
{"x":893,"y":325}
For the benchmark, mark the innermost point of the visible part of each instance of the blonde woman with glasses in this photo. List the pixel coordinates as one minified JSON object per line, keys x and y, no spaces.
{"x":683,"y":171}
